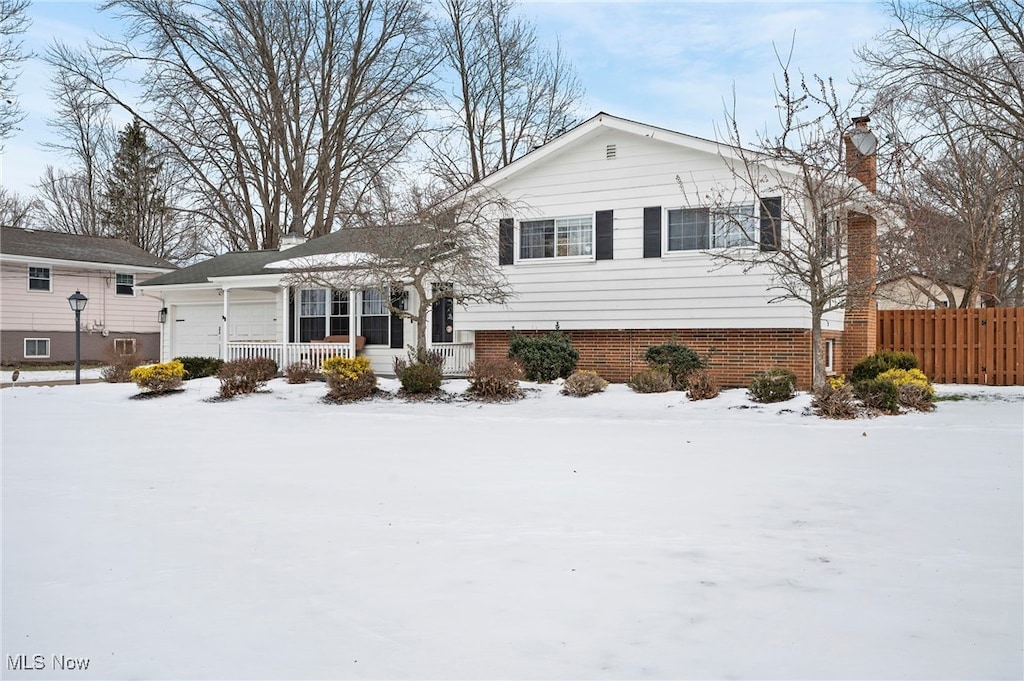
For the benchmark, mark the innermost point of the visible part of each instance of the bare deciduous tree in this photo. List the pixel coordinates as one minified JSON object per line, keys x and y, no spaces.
{"x":284,"y":113}
{"x":437,"y":248}
{"x":510,"y":93}
{"x":13,"y":23}
{"x":950,"y":77}
{"x":784,"y":210}
{"x":15,"y":211}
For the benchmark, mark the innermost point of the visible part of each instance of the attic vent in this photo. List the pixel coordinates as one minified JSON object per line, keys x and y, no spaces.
{"x":609,"y":151}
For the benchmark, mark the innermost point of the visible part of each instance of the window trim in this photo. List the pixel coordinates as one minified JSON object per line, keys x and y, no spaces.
{"x":118,"y":285}
{"x":590,"y":217}
{"x":48,"y":279}
{"x":24,"y":348}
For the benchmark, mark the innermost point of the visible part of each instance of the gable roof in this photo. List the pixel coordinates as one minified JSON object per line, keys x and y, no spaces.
{"x":76,"y":248}
{"x":251,"y":263}
{"x":601,"y":122}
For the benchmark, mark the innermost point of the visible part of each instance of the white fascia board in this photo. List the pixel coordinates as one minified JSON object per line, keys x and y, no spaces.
{"x":248,"y":280}
{"x":199,"y":286}
{"x":83,"y":264}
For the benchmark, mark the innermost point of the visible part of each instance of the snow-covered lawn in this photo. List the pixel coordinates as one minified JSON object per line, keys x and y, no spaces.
{"x":618,"y":536}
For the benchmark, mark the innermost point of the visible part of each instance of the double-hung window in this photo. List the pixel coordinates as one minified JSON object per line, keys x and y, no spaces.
{"x":312,"y":314}
{"x":375,"y":317}
{"x":39,"y":279}
{"x":125,"y":284}
{"x":556,"y":238}
{"x":697,"y":229}
{"x":339,"y":313}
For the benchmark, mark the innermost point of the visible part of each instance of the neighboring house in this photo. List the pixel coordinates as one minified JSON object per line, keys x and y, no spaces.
{"x":605,"y":247}
{"x":41,"y":269}
{"x":909,"y":293}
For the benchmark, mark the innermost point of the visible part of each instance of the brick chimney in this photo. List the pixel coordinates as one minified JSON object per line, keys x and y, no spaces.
{"x":860,"y":328}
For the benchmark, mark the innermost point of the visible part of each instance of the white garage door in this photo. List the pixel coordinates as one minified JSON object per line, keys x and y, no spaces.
{"x":253,"y":322}
{"x":196,"y":331}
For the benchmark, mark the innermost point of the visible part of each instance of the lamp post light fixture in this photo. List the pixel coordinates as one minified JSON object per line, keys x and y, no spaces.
{"x":77,"y":302}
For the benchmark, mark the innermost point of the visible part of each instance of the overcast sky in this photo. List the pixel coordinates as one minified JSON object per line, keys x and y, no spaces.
{"x":670,"y":64}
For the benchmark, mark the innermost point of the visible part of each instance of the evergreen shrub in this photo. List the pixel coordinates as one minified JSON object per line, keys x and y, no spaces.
{"x":159,"y":378}
{"x":878,"y":394}
{"x":676,"y":359}
{"x":544,"y":358}
{"x":348,"y":379}
{"x":420,"y":379}
{"x":773,"y":385}
{"x":200,"y":367}
{"x":882,"y":361}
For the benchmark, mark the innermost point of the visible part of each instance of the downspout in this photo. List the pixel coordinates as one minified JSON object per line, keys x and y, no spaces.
{"x":224,"y":326}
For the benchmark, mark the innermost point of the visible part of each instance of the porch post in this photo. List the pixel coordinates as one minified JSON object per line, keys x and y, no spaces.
{"x":224,"y":326}
{"x":351,"y":323}
{"x":285,"y":317}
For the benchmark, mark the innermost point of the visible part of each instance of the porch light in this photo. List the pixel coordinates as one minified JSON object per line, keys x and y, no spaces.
{"x":161,"y":316}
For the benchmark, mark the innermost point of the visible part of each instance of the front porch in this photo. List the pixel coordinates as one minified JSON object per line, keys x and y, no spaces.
{"x":458,"y":356}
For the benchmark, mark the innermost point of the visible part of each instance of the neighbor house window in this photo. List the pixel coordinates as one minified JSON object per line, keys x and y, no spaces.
{"x":37,"y":347}
{"x":697,"y":229}
{"x":39,"y":279}
{"x":124,"y":346}
{"x":125,"y":284}
{"x":556,"y":238}
{"x":374,"y":320}
{"x":312,"y":314}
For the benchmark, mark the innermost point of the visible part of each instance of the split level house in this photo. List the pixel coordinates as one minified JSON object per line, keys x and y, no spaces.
{"x":603,"y":243}
{"x":41,"y":269}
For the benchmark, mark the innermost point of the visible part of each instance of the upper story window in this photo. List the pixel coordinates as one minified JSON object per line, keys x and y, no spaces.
{"x":125,"y":284}
{"x":556,"y":238}
{"x":39,"y":279}
{"x":696,"y":229}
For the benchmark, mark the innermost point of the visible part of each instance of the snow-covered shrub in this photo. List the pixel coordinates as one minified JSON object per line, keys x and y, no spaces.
{"x":883,"y":360}
{"x":244,"y":376}
{"x":878,"y":394}
{"x":583,"y":383}
{"x":495,"y":379}
{"x":701,"y":384}
{"x":348,"y":379}
{"x":200,"y":367}
{"x":650,"y":381}
{"x":834,"y":400}
{"x":544,"y":358}
{"x":159,"y":378}
{"x":774,"y":385}
{"x":418,"y":379}
{"x":676,"y":360}
{"x":299,"y":372}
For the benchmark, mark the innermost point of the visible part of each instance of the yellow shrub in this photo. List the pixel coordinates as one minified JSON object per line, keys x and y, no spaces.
{"x":345,"y":368}
{"x":836,"y":382}
{"x":900,"y":377}
{"x":158,"y":377}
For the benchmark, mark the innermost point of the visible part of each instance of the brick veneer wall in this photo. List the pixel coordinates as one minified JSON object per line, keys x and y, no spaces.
{"x":738,"y":353}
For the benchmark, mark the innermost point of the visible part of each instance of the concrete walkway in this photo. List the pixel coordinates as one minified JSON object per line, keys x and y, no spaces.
{"x":19,"y":384}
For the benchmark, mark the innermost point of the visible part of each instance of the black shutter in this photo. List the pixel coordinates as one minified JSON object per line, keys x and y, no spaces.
{"x":397,"y":323}
{"x":506,"y":241}
{"x":605,"y":247}
{"x":652,"y":232}
{"x":771,"y":223}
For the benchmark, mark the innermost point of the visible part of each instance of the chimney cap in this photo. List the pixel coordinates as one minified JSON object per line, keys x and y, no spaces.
{"x":861,"y":121}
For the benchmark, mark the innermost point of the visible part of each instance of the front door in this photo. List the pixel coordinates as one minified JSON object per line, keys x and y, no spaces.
{"x":442,"y":317}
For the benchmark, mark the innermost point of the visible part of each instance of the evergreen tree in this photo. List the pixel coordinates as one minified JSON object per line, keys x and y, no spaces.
{"x":135,"y":203}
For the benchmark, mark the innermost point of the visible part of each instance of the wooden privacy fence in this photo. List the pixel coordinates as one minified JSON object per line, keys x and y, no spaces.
{"x":978,"y":345}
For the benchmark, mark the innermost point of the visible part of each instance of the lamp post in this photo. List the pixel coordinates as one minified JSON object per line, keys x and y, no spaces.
{"x":77,"y":302}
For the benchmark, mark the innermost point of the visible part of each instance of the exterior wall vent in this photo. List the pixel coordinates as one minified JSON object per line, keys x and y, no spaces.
{"x":609,"y":151}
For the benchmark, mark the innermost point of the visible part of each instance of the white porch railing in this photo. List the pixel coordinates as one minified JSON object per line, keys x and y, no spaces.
{"x":457,"y":357}
{"x":288,"y":353}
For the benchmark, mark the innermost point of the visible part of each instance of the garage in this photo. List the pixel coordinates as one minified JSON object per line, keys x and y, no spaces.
{"x":197,"y":328}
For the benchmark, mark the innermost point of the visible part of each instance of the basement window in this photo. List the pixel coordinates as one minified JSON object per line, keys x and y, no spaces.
{"x":37,"y":348}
